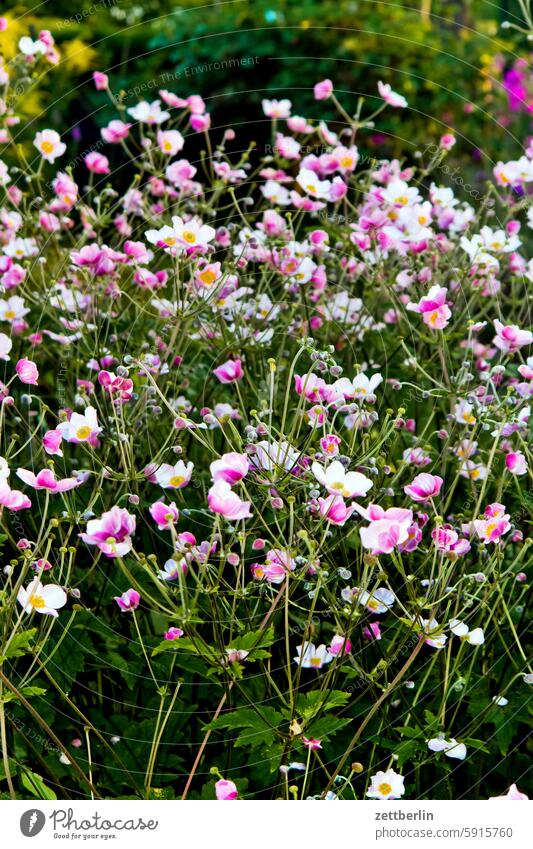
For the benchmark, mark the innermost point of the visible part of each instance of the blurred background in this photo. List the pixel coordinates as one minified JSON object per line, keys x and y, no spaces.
{"x":457,"y":66}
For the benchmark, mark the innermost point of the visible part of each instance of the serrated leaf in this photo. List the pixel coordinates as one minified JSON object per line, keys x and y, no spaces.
{"x":20,"y":644}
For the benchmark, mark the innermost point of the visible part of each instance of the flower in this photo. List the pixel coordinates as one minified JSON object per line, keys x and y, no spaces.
{"x":170,"y":141}
{"x":379,"y":601}
{"x":224,"y":501}
{"x":165,"y":515}
{"x":111,"y":532}
{"x":476,"y":637}
{"x":173,"y":477}
{"x":49,"y":145}
{"x":101,"y":80}
{"x":27,"y":371}
{"x":229,"y":372}
{"x":335,"y":510}
{"x":372,"y":631}
{"x":148,"y":113}
{"x":277,"y":108}
{"x":323,"y":90}
{"x":97,"y":163}
{"x":226,"y":791}
{"x":46,"y":479}
{"x":51,"y":441}
{"x":512,"y":795}
{"x":340,"y":645}
{"x":510,"y":338}
{"x":389,"y":529}
{"x":391,"y":97}
{"x":451,"y":748}
{"x":128,"y":600}
{"x":516,"y":463}
{"x":173,"y":633}
{"x":424,"y":487}
{"x":5,"y":346}
{"x":231,"y":467}
{"x":80,"y":427}
{"x":311,"y":657}
{"x":13,"y":499}
{"x":45,"y":599}
{"x":338,"y":481}
{"x":433,"y":308}
{"x":311,"y":743}
{"x":386,"y":785}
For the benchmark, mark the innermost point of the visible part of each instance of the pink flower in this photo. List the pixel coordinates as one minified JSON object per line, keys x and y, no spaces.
{"x":111,"y":532}
{"x":225,"y":502}
{"x":170,"y":141}
{"x":447,"y":141}
{"x":495,"y":524}
{"x":391,"y":97}
{"x":101,"y":81}
{"x":115,"y":131}
{"x":45,"y":479}
{"x":120,"y":387}
{"x":372,"y":631}
{"x":445,"y":538}
{"x":13,"y":499}
{"x":334,"y":509}
{"x":200,"y":123}
{"x":231,"y":468}
{"x":509,"y":338}
{"x":229,"y":372}
{"x":433,"y":308}
{"x":516,"y":463}
{"x":97,"y":163}
{"x":329,"y":445}
{"x":513,"y":794}
{"x":226,"y":790}
{"x":423,"y":487}
{"x":165,"y":515}
{"x":27,"y":371}
{"x":312,"y":743}
{"x":51,"y":442}
{"x":128,"y":600}
{"x":340,"y":645}
{"x":323,"y":90}
{"x":173,"y":634}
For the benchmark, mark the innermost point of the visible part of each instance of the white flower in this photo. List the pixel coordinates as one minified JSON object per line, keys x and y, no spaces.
{"x":464,"y":413}
{"x":310,"y":656}
{"x":43,"y":599}
{"x":80,"y":428}
{"x":173,"y":477}
{"x":148,"y":113}
{"x":386,"y":785}
{"x":30,"y":47}
{"x":338,"y":481}
{"x":272,"y":456}
{"x":500,"y":701}
{"x":310,"y":182}
{"x":49,"y":145}
{"x":277,"y":108}
{"x":476,"y":637}
{"x":380,"y":601}
{"x":451,"y":748}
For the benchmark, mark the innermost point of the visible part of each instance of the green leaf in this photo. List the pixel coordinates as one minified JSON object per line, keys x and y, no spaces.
{"x":254,"y":640}
{"x":310,"y":703}
{"x":20,"y":644}
{"x":35,"y":785}
{"x":27,"y":692}
{"x":258,"y":730}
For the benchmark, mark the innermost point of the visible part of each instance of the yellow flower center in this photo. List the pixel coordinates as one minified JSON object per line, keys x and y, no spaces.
{"x":189,"y":237}
{"x":10,"y":314}
{"x":311,"y":189}
{"x":47,"y":147}
{"x":385,"y":789}
{"x":83,"y":432}
{"x":316,"y":662}
{"x":170,"y":242}
{"x":346,"y":161}
{"x":176,"y":480}
{"x":403,"y":200}
{"x":37,"y":602}
{"x":207,"y":277}
{"x":372,"y":604}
